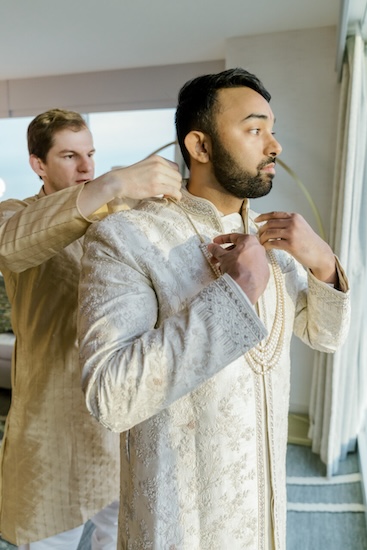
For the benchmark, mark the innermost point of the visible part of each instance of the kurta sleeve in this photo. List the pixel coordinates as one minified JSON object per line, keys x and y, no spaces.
{"x":136,"y":364}
{"x":322,"y":313}
{"x":34,"y":230}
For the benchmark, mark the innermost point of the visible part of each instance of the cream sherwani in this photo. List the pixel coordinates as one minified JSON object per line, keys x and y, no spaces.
{"x":58,"y":465}
{"x":163,"y":344}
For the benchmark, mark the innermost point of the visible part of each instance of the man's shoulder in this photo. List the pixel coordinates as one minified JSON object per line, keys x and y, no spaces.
{"x":19,"y":202}
{"x":146,"y":213}
{"x":8,"y":207}
{"x":147,"y":209}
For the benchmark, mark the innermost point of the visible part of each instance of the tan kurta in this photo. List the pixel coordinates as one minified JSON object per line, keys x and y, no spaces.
{"x":58,"y":465}
{"x":163,"y":346}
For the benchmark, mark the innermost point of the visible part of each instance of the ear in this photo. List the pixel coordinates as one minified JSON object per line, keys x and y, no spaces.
{"x":37,"y":165}
{"x":198,"y":145}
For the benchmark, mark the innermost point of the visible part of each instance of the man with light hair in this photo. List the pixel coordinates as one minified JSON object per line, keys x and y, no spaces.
{"x":59,"y":467}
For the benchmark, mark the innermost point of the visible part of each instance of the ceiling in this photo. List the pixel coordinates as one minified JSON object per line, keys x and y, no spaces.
{"x":49,"y":37}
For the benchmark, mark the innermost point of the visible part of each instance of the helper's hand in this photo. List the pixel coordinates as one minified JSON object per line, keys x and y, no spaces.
{"x":291,"y":232}
{"x":150,"y":177}
{"x":245,"y":261}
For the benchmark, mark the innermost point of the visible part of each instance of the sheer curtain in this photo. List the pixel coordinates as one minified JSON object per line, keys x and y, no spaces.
{"x":339,"y":386}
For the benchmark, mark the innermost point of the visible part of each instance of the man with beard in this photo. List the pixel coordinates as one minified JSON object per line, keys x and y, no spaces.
{"x":185,"y":332}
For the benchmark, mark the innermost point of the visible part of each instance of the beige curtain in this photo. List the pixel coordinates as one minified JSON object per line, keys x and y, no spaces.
{"x":339,"y":386}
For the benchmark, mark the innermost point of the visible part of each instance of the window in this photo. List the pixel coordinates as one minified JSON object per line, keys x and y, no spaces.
{"x":19,"y":181}
{"x":124,"y":138}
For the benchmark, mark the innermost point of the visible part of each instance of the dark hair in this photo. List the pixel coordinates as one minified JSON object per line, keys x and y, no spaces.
{"x":42,"y":129}
{"x":197,"y":101}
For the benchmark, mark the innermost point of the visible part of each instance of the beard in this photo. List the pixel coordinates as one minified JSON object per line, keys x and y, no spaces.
{"x":234,"y":179}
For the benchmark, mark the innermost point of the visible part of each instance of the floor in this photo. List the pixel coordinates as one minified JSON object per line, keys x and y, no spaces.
{"x":324,"y":514}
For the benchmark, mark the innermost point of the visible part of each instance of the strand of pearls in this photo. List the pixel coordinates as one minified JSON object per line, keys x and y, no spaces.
{"x":265,"y":356}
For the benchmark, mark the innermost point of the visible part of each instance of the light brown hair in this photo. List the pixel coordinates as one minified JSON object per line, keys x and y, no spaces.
{"x":42,"y":129}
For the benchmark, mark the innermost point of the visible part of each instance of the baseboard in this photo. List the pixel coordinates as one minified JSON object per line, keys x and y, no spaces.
{"x":298,"y":426}
{"x":362,"y":457}
{"x":296,"y":408}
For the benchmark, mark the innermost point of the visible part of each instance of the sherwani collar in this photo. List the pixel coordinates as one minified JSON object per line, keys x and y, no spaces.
{"x":202,"y":208}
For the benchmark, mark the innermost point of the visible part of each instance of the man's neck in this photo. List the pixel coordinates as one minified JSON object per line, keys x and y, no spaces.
{"x":221,"y":199}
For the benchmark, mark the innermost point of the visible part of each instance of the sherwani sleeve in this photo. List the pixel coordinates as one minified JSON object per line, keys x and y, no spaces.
{"x":135,"y":363}
{"x":322,"y":314}
{"x":32,"y":232}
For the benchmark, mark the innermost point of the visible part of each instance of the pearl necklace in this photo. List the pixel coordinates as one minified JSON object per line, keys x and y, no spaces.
{"x":263,"y":357}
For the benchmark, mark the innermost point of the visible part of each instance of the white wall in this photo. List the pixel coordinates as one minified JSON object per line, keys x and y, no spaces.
{"x":298,"y":68}
{"x":143,"y":88}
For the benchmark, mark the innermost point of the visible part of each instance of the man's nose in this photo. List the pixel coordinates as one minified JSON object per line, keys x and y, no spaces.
{"x":273,"y":148}
{"x":86,"y":164}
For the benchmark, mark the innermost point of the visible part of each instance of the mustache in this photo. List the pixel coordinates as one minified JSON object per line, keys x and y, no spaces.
{"x":269,"y":160}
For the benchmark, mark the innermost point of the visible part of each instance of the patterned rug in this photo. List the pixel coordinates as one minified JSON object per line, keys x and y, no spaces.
{"x":323,"y":513}
{"x":6,"y":545}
